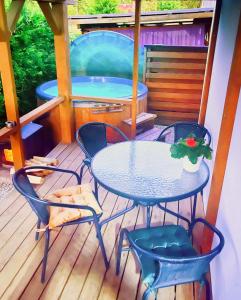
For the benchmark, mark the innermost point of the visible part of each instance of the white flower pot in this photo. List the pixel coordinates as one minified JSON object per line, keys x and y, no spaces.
{"x":189,"y":166}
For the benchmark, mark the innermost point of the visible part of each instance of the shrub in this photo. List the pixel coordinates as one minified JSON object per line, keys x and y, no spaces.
{"x":32,"y":48}
{"x":103,"y":7}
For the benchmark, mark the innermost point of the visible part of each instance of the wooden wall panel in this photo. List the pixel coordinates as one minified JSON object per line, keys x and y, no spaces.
{"x":174,"y":77}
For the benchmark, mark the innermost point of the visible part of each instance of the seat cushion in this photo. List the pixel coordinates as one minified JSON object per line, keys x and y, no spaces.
{"x":79,"y":194}
{"x":171,"y":241}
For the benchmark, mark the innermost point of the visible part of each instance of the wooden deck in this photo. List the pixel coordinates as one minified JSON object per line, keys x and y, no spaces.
{"x":75,"y":268}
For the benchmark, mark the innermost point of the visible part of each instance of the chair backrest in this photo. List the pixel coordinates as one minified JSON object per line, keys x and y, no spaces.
{"x":183,"y":129}
{"x":25,"y":188}
{"x":92,"y":137}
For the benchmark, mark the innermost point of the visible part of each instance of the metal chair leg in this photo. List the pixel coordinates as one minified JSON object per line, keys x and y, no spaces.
{"x":207,"y":285}
{"x":45,"y":257}
{"x":81,"y":172}
{"x":96,"y":191}
{"x":146,"y":294}
{"x":148,"y":216}
{"x":37,"y":233}
{"x":119,"y":250}
{"x":102,"y":247}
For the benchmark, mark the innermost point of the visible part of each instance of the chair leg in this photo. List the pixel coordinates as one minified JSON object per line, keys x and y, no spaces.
{"x":146,"y":294}
{"x":46,"y":248}
{"x":96,"y":191}
{"x":148,"y":216}
{"x":37,"y":233}
{"x":119,"y":250}
{"x":101,"y":243}
{"x":207,"y":285}
{"x":81,"y":172}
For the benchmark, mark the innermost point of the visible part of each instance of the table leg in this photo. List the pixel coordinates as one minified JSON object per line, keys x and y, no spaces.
{"x":148,"y":216}
{"x":118,"y":214}
{"x":194,"y":207}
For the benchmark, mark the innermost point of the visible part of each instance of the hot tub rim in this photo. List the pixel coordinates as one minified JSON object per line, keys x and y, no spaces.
{"x":42,"y":95}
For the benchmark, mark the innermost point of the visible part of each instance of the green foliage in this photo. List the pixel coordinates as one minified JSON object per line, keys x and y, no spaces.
{"x":169,"y":4}
{"x":103,"y":7}
{"x":33,"y":59}
{"x":198,"y":148}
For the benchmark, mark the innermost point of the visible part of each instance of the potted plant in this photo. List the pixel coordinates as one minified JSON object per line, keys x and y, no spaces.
{"x":191,"y":150}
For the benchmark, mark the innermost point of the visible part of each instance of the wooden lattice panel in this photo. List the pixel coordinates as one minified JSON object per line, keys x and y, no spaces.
{"x":174,"y":76}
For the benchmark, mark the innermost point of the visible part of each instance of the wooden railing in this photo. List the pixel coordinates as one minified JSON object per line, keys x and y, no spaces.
{"x":41,"y":110}
{"x":32,"y":115}
{"x":174,"y":77}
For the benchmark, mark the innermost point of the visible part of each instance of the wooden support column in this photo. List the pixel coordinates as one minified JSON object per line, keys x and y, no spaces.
{"x":224,"y":140}
{"x":209,"y":66}
{"x":61,"y":42}
{"x":9,"y":88}
{"x":135,"y":68}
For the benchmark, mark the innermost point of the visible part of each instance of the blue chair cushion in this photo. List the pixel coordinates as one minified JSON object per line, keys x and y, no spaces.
{"x":171,"y":241}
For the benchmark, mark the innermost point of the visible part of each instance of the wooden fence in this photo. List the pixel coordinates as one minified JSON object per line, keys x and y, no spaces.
{"x":174,"y":76}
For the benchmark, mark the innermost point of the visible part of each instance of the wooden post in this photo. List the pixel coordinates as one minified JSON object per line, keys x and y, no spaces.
{"x":209,"y":66}
{"x":224,"y":140}
{"x":9,"y":89}
{"x":61,"y":42}
{"x":135,"y":68}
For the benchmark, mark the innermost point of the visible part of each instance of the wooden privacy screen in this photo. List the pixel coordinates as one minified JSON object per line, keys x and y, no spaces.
{"x":174,"y":77}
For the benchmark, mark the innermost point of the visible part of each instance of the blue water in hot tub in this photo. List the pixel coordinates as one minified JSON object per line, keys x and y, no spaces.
{"x":107,"y":87}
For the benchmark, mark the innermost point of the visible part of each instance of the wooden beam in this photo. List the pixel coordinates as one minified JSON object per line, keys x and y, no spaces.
{"x":209,"y":65}
{"x":61,"y":42}
{"x":9,"y":90}
{"x":48,"y":13}
{"x":41,"y":110}
{"x":224,"y":140}
{"x":155,"y":19}
{"x":6,"y":132}
{"x":4,"y":30}
{"x":14,"y":13}
{"x":135,"y":67}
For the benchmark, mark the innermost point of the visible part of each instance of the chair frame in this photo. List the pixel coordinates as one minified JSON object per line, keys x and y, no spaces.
{"x":125,"y":234}
{"x":94,"y":218}
{"x":164,"y":132}
{"x":88,"y":157}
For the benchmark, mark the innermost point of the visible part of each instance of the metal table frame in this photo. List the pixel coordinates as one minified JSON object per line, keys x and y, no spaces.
{"x":150,"y":203}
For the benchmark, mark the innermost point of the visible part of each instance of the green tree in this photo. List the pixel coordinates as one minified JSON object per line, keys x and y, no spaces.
{"x":32,"y":48}
{"x":103,"y":7}
{"x":169,"y":4}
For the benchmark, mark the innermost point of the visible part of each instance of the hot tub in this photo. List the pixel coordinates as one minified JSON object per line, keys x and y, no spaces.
{"x":106,"y":87}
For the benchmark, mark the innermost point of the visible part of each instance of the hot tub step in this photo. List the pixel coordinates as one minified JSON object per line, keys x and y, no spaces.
{"x":144,"y":121}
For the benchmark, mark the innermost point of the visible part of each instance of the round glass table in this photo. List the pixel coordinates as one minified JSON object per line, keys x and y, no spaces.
{"x":144,"y":172}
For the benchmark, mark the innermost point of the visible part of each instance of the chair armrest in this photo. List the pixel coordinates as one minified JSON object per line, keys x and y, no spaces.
{"x":219,"y":247}
{"x":54,"y":169}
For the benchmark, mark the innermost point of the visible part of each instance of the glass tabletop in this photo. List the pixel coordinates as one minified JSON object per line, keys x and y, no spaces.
{"x":144,"y":171}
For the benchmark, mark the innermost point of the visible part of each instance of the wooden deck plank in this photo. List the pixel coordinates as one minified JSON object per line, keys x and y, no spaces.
{"x":75,"y":268}
{"x":97,"y":270}
{"x":56,"y":284}
{"x":110,"y":286}
{"x":83,"y":264}
{"x":61,"y":180}
{"x":24,"y":212}
{"x":14,"y":194}
{"x":128,"y":288}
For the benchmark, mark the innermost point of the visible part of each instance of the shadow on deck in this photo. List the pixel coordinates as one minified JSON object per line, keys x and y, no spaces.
{"x":75,"y":268}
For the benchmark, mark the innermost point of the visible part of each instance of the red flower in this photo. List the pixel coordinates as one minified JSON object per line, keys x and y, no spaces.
{"x":191,"y":142}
